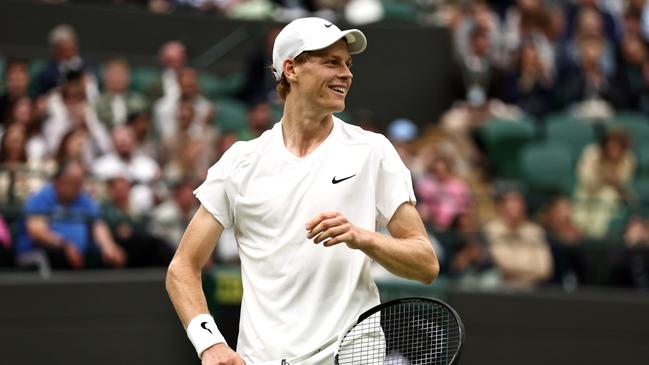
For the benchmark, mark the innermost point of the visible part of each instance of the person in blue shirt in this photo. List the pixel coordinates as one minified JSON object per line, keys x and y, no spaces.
{"x":64,"y":221}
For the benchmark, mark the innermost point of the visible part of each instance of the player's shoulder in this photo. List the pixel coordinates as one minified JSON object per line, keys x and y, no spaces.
{"x":242,"y":152}
{"x":355,"y":135}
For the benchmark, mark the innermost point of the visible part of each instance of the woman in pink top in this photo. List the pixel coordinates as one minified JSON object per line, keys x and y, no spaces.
{"x":6,"y":257}
{"x":441,"y":195}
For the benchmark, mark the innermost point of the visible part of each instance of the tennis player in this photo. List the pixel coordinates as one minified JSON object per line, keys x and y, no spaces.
{"x":305,"y":200}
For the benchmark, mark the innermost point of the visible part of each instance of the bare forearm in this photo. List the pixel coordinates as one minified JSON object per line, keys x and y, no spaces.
{"x":39,"y":231}
{"x":407,"y":253}
{"x":410,"y":258}
{"x":185,"y":290}
{"x":184,"y":274}
{"x":102,"y":234}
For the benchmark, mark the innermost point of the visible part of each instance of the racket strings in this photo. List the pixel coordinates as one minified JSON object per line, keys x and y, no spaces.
{"x":409,"y":333}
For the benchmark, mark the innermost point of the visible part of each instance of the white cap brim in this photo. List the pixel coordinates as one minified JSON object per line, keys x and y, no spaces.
{"x":356,"y":41}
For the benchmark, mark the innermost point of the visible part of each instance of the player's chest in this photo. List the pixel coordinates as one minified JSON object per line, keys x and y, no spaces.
{"x":329,"y":183}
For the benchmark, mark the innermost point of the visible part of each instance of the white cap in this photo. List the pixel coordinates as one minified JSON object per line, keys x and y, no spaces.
{"x":311,"y":34}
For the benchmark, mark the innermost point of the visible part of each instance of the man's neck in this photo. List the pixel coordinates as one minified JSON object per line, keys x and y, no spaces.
{"x":304,"y":128}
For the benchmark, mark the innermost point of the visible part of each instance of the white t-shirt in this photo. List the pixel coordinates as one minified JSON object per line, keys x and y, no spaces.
{"x":297,"y":294}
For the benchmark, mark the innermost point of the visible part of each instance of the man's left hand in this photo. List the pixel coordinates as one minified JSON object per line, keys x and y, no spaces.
{"x":332,"y":228}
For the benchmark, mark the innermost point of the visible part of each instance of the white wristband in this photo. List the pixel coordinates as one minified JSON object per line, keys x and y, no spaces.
{"x":203,"y":333}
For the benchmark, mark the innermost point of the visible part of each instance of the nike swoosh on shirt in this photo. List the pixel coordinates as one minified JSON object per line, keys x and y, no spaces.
{"x":334,"y":181}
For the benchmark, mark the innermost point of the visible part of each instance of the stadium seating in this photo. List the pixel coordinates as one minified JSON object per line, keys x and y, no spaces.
{"x":503,"y":141}
{"x":144,"y":78}
{"x":547,"y":169}
{"x":574,"y":133}
{"x":641,"y":188}
{"x":642,"y":160}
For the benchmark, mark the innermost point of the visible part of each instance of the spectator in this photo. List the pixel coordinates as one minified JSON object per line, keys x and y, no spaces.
{"x":475,"y":77}
{"x":441,"y":194}
{"x":16,"y":83}
{"x":590,"y":26}
{"x":170,"y":219}
{"x":116,"y":103}
{"x":588,"y":81}
{"x":26,"y":113}
{"x":13,"y":153}
{"x":528,"y":21}
{"x":631,"y":80}
{"x":530,"y":86}
{"x":224,"y":143}
{"x":564,"y":238}
{"x":173,"y":58}
{"x":65,"y":58}
{"x":470,"y":260}
{"x":575,"y":10}
{"x":18,"y":177}
{"x":603,"y":173}
{"x":632,"y":22}
{"x":259,"y":120}
{"x":402,"y":133}
{"x":259,"y":83}
{"x":69,"y":108}
{"x":636,"y":238}
{"x":166,"y":109}
{"x":6,"y":248}
{"x":517,"y":245}
{"x":480,"y":19}
{"x":128,"y":227}
{"x":63,"y":221}
{"x":140,"y":124}
{"x":556,"y":218}
{"x":128,"y":161}
{"x":190,"y":151}
{"x":74,"y":147}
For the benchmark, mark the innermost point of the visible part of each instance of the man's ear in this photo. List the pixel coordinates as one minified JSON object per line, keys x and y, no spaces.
{"x":289,"y":70}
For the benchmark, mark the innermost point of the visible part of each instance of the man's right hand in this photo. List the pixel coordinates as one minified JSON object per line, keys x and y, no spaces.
{"x":74,"y":256}
{"x":221,"y":354}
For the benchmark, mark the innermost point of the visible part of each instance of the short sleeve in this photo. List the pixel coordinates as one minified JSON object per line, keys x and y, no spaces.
{"x":38,"y":204}
{"x":90,"y":207}
{"x":213,"y":194}
{"x":393,"y":184}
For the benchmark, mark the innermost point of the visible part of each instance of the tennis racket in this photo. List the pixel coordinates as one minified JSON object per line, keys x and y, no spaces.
{"x":407,"y":331}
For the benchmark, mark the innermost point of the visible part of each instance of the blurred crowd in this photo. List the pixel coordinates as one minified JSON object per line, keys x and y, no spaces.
{"x":537,"y":173}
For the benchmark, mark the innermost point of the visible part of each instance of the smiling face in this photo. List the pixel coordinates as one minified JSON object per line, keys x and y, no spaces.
{"x":324,"y":79}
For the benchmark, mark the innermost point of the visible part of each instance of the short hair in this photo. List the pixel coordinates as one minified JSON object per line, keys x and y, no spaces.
{"x":62,"y":32}
{"x":616,"y":133}
{"x":283,"y":87}
{"x":64,"y":166}
{"x":15,"y":62}
{"x":117,"y":61}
